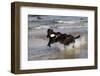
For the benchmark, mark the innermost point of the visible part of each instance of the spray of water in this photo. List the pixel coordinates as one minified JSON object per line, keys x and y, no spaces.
{"x":78,"y":43}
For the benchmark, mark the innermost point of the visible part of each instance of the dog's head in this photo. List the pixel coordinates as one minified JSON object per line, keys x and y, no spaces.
{"x":50,"y":33}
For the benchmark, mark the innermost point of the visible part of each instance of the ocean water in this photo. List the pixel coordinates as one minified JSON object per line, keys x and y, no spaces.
{"x":38,"y":49}
{"x":37,"y":40}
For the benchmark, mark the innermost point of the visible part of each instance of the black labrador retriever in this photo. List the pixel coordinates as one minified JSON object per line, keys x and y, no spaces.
{"x":59,"y":37}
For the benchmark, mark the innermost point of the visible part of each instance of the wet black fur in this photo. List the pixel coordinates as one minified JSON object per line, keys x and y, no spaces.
{"x":59,"y":37}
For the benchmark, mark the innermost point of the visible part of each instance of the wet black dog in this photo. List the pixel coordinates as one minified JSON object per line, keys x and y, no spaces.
{"x":59,"y":37}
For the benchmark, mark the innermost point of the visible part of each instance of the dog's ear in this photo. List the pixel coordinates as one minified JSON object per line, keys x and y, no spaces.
{"x":50,"y":30}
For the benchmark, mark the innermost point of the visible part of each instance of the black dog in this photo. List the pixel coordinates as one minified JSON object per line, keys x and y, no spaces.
{"x":59,"y":37}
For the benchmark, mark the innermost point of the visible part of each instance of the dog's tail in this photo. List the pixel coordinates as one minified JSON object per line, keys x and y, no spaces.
{"x":77,"y":37}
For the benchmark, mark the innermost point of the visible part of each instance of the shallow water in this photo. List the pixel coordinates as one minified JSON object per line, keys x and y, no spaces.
{"x":38,"y":49}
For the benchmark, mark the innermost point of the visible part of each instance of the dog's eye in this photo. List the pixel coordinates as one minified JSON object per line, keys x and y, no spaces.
{"x":52,"y":35}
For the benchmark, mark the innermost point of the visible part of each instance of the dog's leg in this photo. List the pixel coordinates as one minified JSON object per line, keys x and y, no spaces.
{"x":73,"y":45}
{"x":49,"y":43}
{"x":64,"y":46}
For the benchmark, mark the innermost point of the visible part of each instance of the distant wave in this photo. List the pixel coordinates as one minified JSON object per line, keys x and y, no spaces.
{"x":67,"y":22}
{"x":60,"y":27}
{"x":42,"y":27}
{"x":71,"y":26}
